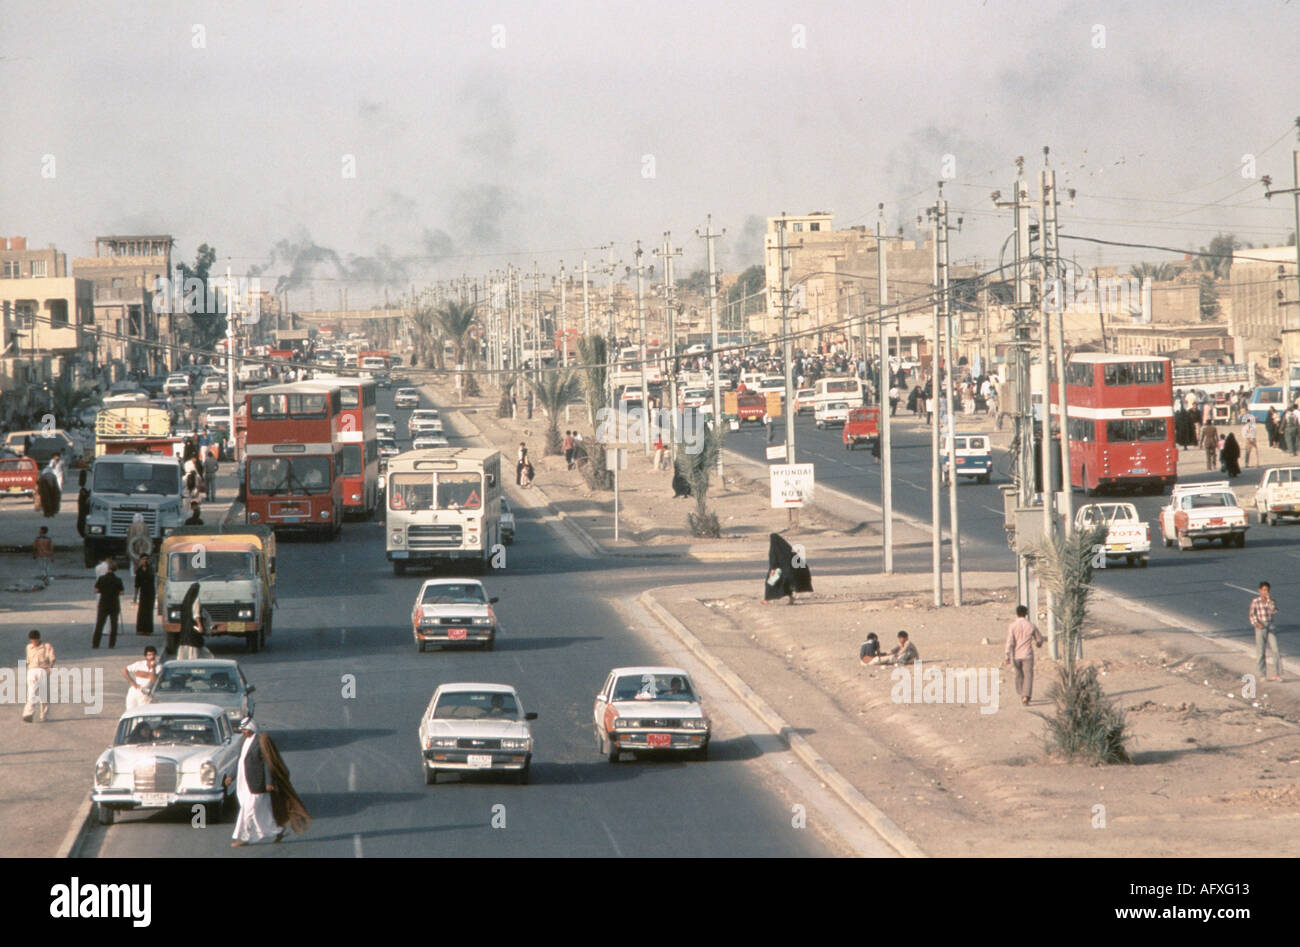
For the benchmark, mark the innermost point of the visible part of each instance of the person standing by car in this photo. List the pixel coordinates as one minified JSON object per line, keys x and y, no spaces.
{"x":144,"y":595}
{"x":1263,"y":616}
{"x":141,"y":676}
{"x":40,"y":661}
{"x":83,"y":504}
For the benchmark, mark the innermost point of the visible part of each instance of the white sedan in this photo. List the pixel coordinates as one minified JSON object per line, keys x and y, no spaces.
{"x":426,"y":442}
{"x":406,"y":398}
{"x":476,"y":728}
{"x":650,"y":709}
{"x":453,"y":612}
{"x":168,"y":755}
{"x":1127,"y":535}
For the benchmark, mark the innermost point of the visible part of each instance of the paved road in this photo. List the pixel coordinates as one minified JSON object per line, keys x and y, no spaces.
{"x":355,"y":762}
{"x":1209,"y":585}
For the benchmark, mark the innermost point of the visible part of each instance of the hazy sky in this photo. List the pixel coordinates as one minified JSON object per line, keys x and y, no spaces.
{"x":486,"y":133}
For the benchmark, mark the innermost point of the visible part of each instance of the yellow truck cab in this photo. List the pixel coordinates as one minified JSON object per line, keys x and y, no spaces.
{"x":235,"y":568}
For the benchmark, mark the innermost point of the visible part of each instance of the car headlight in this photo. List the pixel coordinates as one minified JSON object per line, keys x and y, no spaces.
{"x":245,"y":613}
{"x":324,"y":514}
{"x":174,"y":614}
{"x":444,"y":743}
{"x":356,"y":498}
{"x":482,"y":621}
{"x":96,"y":530}
{"x":254,"y":517}
{"x":398,"y":537}
{"x":622,"y":722}
{"x":208,"y":774}
{"x":521,"y":744}
{"x":698,"y":723}
{"x":104,"y":772}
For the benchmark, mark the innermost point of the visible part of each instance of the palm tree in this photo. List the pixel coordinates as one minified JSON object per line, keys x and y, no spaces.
{"x":458,"y":321}
{"x":1087,"y":724}
{"x":428,"y":344}
{"x":1156,"y":272}
{"x":553,"y":391}
{"x":698,"y":467}
{"x":67,"y":402}
{"x":592,"y":353}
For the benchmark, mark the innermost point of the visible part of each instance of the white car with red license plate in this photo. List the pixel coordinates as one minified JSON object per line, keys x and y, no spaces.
{"x":1278,"y":496}
{"x":454,"y":612}
{"x":1128,"y":537}
{"x":476,"y":728}
{"x":650,"y":710}
{"x":1206,"y":511}
{"x":406,"y":398}
{"x":168,"y":755}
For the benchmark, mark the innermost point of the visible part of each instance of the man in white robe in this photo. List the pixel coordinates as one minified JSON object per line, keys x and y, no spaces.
{"x":256,"y":820}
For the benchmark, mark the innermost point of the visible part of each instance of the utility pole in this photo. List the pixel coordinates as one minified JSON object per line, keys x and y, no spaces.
{"x":667,"y":253}
{"x":709,"y":236}
{"x":611,"y":349}
{"x":640,"y":319}
{"x":787,"y":355}
{"x":936,"y":386}
{"x":536,"y":361}
{"x":586,"y":308}
{"x":230,"y":349}
{"x":954,"y":523}
{"x":1288,"y":395}
{"x":1052,"y":259}
{"x":563,"y":320}
{"x":886,"y":442}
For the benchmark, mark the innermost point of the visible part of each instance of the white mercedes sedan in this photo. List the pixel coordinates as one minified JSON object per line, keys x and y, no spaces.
{"x":476,"y":728}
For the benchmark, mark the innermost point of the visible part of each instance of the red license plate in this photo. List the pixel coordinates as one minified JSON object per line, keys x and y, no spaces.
{"x":1217,"y":521}
{"x":456,"y":634}
{"x":658,"y":739}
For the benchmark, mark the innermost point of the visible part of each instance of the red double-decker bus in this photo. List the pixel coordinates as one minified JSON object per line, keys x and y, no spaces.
{"x":293,"y":458}
{"x":1121,"y":421}
{"x":360,"y":444}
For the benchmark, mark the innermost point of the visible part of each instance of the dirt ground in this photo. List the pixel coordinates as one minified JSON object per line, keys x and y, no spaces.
{"x":1212,"y":774}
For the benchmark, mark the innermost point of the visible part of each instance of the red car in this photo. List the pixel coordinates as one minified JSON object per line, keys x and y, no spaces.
{"x":862,"y":427}
{"x":18,"y":476}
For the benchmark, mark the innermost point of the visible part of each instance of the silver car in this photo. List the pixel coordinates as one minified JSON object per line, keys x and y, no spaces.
{"x":208,"y":681}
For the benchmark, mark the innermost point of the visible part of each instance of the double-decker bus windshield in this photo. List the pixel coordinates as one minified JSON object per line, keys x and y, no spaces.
{"x":289,"y":475}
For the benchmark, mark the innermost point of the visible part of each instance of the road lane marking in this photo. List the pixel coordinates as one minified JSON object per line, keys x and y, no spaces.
{"x":352,"y":777}
{"x":347,"y":716}
{"x":991,"y":510}
{"x":356,"y":845}
{"x":610,"y":835}
{"x":1240,"y":589}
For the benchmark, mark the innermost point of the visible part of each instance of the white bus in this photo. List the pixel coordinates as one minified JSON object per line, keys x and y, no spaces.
{"x":443,"y":503}
{"x":839,"y":388}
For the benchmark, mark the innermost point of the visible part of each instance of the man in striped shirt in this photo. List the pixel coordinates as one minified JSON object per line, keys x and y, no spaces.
{"x":1263,"y":615}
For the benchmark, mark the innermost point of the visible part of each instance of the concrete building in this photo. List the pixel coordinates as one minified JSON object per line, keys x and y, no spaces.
{"x":1260,"y":281}
{"x":19,"y":262}
{"x":125,"y":271}
{"x":48,"y":326}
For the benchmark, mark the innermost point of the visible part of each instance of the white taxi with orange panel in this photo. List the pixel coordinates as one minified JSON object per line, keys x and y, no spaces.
{"x":1207,"y":511}
{"x":650,"y":710}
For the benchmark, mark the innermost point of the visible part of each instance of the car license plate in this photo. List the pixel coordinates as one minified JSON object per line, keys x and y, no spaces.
{"x":1117,"y":547}
{"x":1217,"y":521}
{"x":479,"y":760}
{"x":659,"y":739}
{"x":236,"y":626}
{"x":153,"y":800}
{"x":1138,"y":470}
{"x":456,"y":634}
{"x":292,"y":519}
{"x":15,"y":489}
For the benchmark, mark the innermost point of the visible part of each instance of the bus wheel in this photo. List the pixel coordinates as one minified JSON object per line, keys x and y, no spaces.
{"x":90,"y":554}
{"x":250,"y":641}
{"x":1083,"y":477}
{"x":399,"y":567}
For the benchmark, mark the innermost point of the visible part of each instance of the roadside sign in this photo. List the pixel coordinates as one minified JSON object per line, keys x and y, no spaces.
{"x":776,"y":452}
{"x":615,"y":458}
{"x":792,"y":485}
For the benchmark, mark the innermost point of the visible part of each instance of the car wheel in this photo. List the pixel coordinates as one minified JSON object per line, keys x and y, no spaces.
{"x":984,"y":478}
{"x":90,"y":554}
{"x":1131,"y":560}
{"x":1142,"y":562}
{"x":611,"y":749}
{"x":103,"y":814}
{"x":419,"y":646}
{"x":489,"y":644}
{"x":1229,"y":540}
{"x":1241,"y":540}
{"x":430,"y":776}
{"x":399,"y":567}
{"x":216,"y":812}
{"x":702,"y":753}
{"x":250,"y":641}
{"x":521,"y":777}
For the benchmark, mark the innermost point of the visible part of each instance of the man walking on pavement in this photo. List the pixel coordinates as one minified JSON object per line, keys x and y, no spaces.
{"x":43,"y":553}
{"x":1263,"y":616}
{"x":210,"y":469}
{"x":110,"y":588}
{"x":768,"y":426}
{"x":1022,"y":637}
{"x":1249,"y":442}
{"x":40,"y":660}
{"x":1210,"y":441}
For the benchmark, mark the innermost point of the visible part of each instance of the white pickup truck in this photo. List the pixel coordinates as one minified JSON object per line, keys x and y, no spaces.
{"x":1278,"y":495}
{"x":1206,"y":511}
{"x":1127,"y":536}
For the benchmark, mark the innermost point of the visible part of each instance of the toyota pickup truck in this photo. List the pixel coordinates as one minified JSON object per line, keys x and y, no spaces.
{"x":1127,"y":536}
{"x":1278,"y":496}
{"x":1203,"y":511}
{"x":744,"y":406}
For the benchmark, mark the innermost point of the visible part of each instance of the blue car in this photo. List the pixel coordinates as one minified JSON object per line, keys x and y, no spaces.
{"x":974,"y":457}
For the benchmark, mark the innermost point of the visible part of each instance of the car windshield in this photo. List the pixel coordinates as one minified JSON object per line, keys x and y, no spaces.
{"x":653,"y":687}
{"x":127,"y":477}
{"x":454,"y":593}
{"x":157,"y":729}
{"x":289,"y":475}
{"x":383,"y":419}
{"x":1202,"y":500}
{"x":180,"y":680}
{"x":1110,"y":513}
{"x":476,"y":705}
{"x":198,"y":564}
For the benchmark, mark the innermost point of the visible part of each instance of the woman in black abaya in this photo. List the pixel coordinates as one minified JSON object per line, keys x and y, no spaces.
{"x":1231,"y":456}
{"x":785,"y":576}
